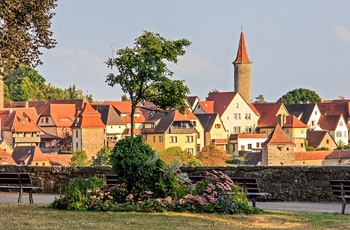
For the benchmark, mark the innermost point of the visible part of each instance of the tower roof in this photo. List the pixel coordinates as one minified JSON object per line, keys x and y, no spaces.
{"x":242,"y":53}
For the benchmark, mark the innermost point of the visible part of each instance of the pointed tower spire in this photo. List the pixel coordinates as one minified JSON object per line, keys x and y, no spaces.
{"x":242,"y":71}
{"x":242,"y":53}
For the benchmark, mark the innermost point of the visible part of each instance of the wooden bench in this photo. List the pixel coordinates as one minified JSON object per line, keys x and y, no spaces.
{"x":18,"y":181}
{"x":111,"y":179}
{"x":341,"y":191}
{"x":250,"y":184}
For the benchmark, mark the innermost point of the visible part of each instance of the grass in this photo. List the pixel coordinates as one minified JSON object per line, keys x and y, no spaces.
{"x":39,"y":216}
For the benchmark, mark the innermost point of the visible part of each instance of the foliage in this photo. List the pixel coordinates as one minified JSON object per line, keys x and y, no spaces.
{"x":139,"y":166}
{"x":26,"y":84}
{"x":172,"y":154}
{"x":210,"y":156}
{"x":143,"y":73}
{"x":239,"y":160}
{"x":103,"y":156}
{"x":300,"y":96}
{"x":75,"y":197}
{"x":24,"y":31}
{"x":80,"y":158}
{"x":260,"y":99}
{"x":212,"y":91}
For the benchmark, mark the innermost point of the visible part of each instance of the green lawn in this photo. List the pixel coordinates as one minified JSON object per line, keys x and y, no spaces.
{"x":35,"y":216}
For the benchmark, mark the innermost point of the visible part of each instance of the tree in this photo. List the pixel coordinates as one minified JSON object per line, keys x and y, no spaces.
{"x":24,"y":30}
{"x":25,"y":84}
{"x":212,"y":91}
{"x":80,"y":158}
{"x":170,"y":155}
{"x":103,"y":157}
{"x":144,"y":76}
{"x":260,"y":99}
{"x":300,"y":96}
{"x":210,"y":156}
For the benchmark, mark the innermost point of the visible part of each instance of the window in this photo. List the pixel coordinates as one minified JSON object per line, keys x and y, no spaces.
{"x":46,"y":120}
{"x":302,"y":145}
{"x":217,"y":126}
{"x":236,"y":129}
{"x":194,"y":123}
{"x":313,"y":123}
{"x":228,"y":118}
{"x":338,"y":134}
{"x":76,"y":133}
{"x":76,"y":145}
{"x":189,"y":139}
{"x":315,"y":112}
{"x":154,"y":138}
{"x":242,"y":147}
{"x":173,"y":139}
{"x":287,"y":131}
{"x":327,"y":141}
{"x":189,"y":151}
{"x":248,"y":116}
{"x":160,"y":138}
{"x":249,"y":146}
{"x":43,"y":164}
{"x":237,"y":116}
{"x":237,"y":105}
{"x":302,"y":131}
{"x":248,"y":129}
{"x":198,"y":147}
{"x":258,"y":144}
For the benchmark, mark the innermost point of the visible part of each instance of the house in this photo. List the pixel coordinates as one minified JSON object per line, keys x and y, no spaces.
{"x":337,"y":158}
{"x":88,"y":132}
{"x":236,"y":115}
{"x":309,"y":114}
{"x":242,"y":143}
{"x":204,"y":107}
{"x":170,"y":129}
{"x":192,"y":102}
{"x":6,"y":158}
{"x":19,"y":128}
{"x":320,"y":139}
{"x":57,"y":119}
{"x":214,"y":130}
{"x":295,"y":130}
{"x":30,"y":155}
{"x":115,"y":125}
{"x":269,"y":114}
{"x":6,"y":146}
{"x":123,"y":109}
{"x":278,"y":149}
{"x":336,"y":126}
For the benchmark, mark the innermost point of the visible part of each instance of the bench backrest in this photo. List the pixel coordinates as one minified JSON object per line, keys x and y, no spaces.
{"x":15,"y":178}
{"x":337,"y":185}
{"x":112,"y":179}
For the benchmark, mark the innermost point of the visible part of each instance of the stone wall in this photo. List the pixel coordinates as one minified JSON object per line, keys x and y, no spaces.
{"x":285,"y":183}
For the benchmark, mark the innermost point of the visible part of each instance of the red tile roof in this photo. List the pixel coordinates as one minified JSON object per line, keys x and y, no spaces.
{"x":60,"y":159}
{"x":293,"y":122}
{"x":18,"y":121}
{"x":335,"y":108}
{"x":89,"y":118}
{"x":221,"y":100}
{"x":278,"y":137}
{"x":268,"y":114}
{"x":207,"y":106}
{"x":125,"y":108}
{"x":242,"y":53}
{"x":6,"y":158}
{"x":247,"y":135}
{"x":63,"y":115}
{"x":329,"y":122}
{"x":314,"y":155}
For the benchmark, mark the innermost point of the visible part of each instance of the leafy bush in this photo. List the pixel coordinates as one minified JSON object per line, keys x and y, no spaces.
{"x":210,"y":156}
{"x":172,"y":154}
{"x":75,"y":197}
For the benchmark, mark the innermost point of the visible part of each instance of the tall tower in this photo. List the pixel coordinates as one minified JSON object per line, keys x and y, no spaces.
{"x":242,"y":71}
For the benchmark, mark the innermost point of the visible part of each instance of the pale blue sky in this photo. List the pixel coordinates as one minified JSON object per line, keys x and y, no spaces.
{"x":293,"y":44}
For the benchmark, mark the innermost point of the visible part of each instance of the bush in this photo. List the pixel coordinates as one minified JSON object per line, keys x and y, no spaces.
{"x":172,"y":154}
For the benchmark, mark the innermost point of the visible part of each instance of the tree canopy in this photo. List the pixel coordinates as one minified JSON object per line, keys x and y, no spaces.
{"x":26,"y":84}
{"x":300,"y":96}
{"x":24,"y":30}
{"x":172,"y":154}
{"x":260,"y":99}
{"x":143,"y":73}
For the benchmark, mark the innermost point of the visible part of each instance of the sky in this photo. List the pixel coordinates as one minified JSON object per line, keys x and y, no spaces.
{"x":292,"y":44}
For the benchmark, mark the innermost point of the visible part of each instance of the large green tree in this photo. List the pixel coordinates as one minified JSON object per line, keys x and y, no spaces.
{"x":143,"y":73}
{"x":300,"y":96}
{"x":24,"y":31}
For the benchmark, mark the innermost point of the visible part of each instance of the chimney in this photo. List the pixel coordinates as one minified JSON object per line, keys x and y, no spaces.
{"x":26,"y":104}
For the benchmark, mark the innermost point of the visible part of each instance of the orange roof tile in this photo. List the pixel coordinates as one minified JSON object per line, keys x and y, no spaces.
{"x":242,"y":53}
{"x":268,"y":114}
{"x":6,"y":156}
{"x":293,"y":122}
{"x":314,"y":155}
{"x":278,"y":137}
{"x":60,"y":159}
{"x":207,"y":106}
{"x":89,"y":118}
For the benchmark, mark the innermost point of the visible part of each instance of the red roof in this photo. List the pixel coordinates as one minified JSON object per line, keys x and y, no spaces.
{"x":268,"y":114}
{"x":6,"y":157}
{"x":221,"y":100}
{"x":18,"y":120}
{"x":63,"y":115}
{"x":314,"y":155}
{"x":247,"y":135}
{"x":278,"y":137}
{"x":207,"y":106}
{"x":90,"y":118}
{"x":242,"y":53}
{"x":329,"y":122}
{"x":293,"y":122}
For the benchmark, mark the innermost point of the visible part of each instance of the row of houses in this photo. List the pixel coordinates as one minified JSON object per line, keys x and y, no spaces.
{"x":224,"y":119}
